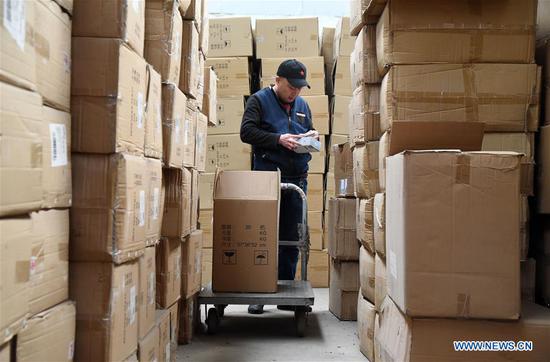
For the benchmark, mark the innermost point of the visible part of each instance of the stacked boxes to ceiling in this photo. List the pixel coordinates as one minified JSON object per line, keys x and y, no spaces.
{"x":35,"y":174}
{"x":447,"y":225}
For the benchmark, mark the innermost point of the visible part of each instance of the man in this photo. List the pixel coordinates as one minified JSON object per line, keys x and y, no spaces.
{"x":274,"y":119}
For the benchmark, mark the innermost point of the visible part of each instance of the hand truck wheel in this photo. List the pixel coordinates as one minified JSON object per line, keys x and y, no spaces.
{"x":300,"y":321}
{"x":221,"y":309}
{"x":212,"y":321}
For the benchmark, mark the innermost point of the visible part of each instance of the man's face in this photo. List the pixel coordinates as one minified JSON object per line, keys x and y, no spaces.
{"x":286,"y":92}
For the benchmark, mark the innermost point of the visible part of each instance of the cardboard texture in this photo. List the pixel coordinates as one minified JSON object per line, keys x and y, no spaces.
{"x":56,"y":158}
{"x":207,"y":257}
{"x":200,"y":88}
{"x":210,"y":102}
{"x":21,"y":161}
{"x":106,"y":296}
{"x":383,"y":152}
{"x":149,"y":346}
{"x":190,"y":60}
{"x":380,"y":281}
{"x":364,"y":12}
{"x":109,"y":212}
{"x":427,"y":277}
{"x":192,"y":10}
{"x":174,"y":329}
{"x":315,"y":192}
{"x":343,"y":41}
{"x":49,"y":335}
{"x":528,"y":280}
{"x":342,"y":76}
{"x":524,"y":227}
{"x":195,"y":194}
{"x":173,"y":125}
{"x":481,"y":33}
{"x":6,"y":351}
{"x":367,"y":277}
{"x":343,"y":304}
{"x":330,"y":191}
{"x":200,"y":142}
{"x":343,"y":170}
{"x":399,"y":338}
{"x":122,"y":19}
{"x":190,"y":133}
{"x":287,"y":38}
{"x":15,"y":242}
{"x":168,"y":267}
{"x":365,"y":162}
{"x":363,"y":63}
{"x":379,"y":220}
{"x":230,"y":37}
{"x":327,"y":51}
{"x":206,"y":186}
{"x":345,"y":275}
{"x":108,"y":94}
{"x":189,"y":319}
{"x":191,"y":265}
{"x":49,"y":269}
{"x":320,"y":115}
{"x":365,"y":326}
{"x":233,"y":76}
{"x":229,"y":113}
{"x":246,"y":207}
{"x":177,"y":185}
{"x":146,"y":292}
{"x":463,"y":92}
{"x":340,"y":114}
{"x":227,"y":152}
{"x":315,"y":228}
{"x":155,"y":201}
{"x":365,"y":223}
{"x":204,"y":31}
{"x":205,"y":223}
{"x":364,"y":121}
{"x":52,"y":43}
{"x":163,"y":39}
{"x":315,"y":73}
{"x":153,"y":116}
{"x":163,"y":326}
{"x":317,"y":269}
{"x":543,"y":175}
{"x":342,"y":240}
{"x":317,"y":164}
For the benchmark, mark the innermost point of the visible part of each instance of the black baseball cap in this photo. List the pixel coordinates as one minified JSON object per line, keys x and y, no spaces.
{"x":295,"y":72}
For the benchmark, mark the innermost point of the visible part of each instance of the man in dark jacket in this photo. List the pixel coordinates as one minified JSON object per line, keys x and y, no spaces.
{"x":275,"y":118}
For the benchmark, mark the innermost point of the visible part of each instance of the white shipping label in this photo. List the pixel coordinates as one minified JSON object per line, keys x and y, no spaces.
{"x":343,"y":186}
{"x":132,"y":306}
{"x":140,"y":109}
{"x":156,"y":203}
{"x":14,"y":20}
{"x":393,"y":264}
{"x":58,"y":143}
{"x":151,"y":288}
{"x":141,"y":211}
{"x":187,"y":133}
{"x":177,"y":126}
{"x":70,"y":355}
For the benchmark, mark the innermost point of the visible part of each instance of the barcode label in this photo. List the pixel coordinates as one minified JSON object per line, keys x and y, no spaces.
{"x":140,"y":109}
{"x":14,"y":21}
{"x":58,"y":141}
{"x":343,"y":186}
{"x":132,"y":305}
{"x":141,"y":211}
{"x":156,"y":203}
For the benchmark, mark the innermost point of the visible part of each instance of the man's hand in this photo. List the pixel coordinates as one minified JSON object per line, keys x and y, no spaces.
{"x":289,"y":140}
{"x":311,"y":133}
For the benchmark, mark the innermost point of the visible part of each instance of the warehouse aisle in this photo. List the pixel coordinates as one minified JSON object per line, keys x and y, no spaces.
{"x":271,"y":337}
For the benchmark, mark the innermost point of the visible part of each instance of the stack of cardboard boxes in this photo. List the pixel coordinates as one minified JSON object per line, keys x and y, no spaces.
{"x":35,"y":174}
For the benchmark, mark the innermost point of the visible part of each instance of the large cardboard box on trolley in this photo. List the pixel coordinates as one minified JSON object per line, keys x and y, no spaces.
{"x":229,"y":37}
{"x":233,"y":76}
{"x":287,"y":38}
{"x":246,"y":231}
{"x":315,"y":73}
{"x":453,"y":233}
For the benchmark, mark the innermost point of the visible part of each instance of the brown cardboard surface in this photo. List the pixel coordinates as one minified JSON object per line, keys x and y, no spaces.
{"x":342,"y":304}
{"x":174,"y":330}
{"x":330,"y":191}
{"x":342,"y":240}
{"x":543,"y":175}
{"x":191,"y":257}
{"x":342,"y":76}
{"x":209,"y":101}
{"x":153,"y":116}
{"x":319,"y":113}
{"x":315,"y":228}
{"x":163,"y":325}
{"x":383,"y":152}
{"x":327,"y":51}
{"x":343,"y":41}
{"x":6,"y":351}
{"x":190,"y":133}
{"x":189,"y":318}
{"x":49,"y":335}
{"x":190,"y":60}
{"x":344,"y":275}
{"x":49,"y":269}
{"x":367,"y":277}
{"x":365,"y":223}
{"x":528,"y":280}
{"x":52,"y":43}
{"x":409,"y":34}
{"x":192,"y":10}
{"x":177,"y":184}
{"x":233,"y":75}
{"x":108,"y":95}
{"x":317,"y":269}
{"x":317,"y":164}
{"x":146,"y":292}
{"x":379,"y":220}
{"x":380,"y":281}
{"x":106,"y":316}
{"x":315,"y":192}
{"x":206,"y":267}
{"x":363,"y":63}
{"x":168,"y":267}
{"x":463,"y":92}
{"x":343,"y":170}
{"x":15,"y":240}
{"x":334,"y":139}
{"x":200,"y":142}
{"x":287,"y":37}
{"x":315,"y":73}
{"x":205,"y":224}
{"x":56,"y":158}
{"x":173,"y":124}
{"x":206,"y":186}
{"x":230,"y":37}
{"x":229,"y":114}
{"x":365,"y":12}
{"x":195,"y":194}
{"x":200,"y":87}
{"x":163,"y":38}
{"x":246,"y":207}
{"x":364,"y":121}
{"x":122,"y":19}
{"x":21,"y":161}
{"x":365,"y":326}
{"x":365,"y":162}
{"x":428,"y":277}
{"x":149,"y":346}
{"x":524,"y":226}
{"x":227,"y":152}
{"x":340,"y":114}
{"x":108,"y":216}
{"x":155,"y":201}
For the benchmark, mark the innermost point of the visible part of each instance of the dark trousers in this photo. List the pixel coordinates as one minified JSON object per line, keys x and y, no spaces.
{"x":289,"y":218}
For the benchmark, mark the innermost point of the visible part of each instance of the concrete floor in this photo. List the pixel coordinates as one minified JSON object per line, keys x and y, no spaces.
{"x":271,"y":337}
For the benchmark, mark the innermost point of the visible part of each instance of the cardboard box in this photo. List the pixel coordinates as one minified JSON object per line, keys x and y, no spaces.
{"x":155,"y":200}
{"x":543,"y":175}
{"x":149,"y":346}
{"x":427,"y":278}
{"x":315,"y":73}
{"x":327,"y":51}
{"x":207,"y":257}
{"x":227,"y":152}
{"x":153,"y":116}
{"x":204,"y":31}
{"x":108,"y":216}
{"x":163,"y":39}
{"x":528,"y":280}
{"x":6,"y":350}
{"x":163,"y":325}
{"x":344,"y":275}
{"x":363,"y":63}
{"x":174,"y":329}
{"x":319,"y":106}
{"x":209,"y":101}
{"x":246,"y":207}
{"x":192,"y":10}
{"x":52,"y":43}
{"x":189,"y":319}
{"x":191,"y":264}
{"x":340,"y":114}
{"x":49,"y":335}
{"x":195,"y":194}
{"x":459,"y":92}
{"x":206,"y":186}
{"x":410,"y":34}
{"x":380,"y":281}
{"x":15,"y":241}
{"x":205,"y":224}
{"x":343,"y":304}
{"x":229,"y":37}
{"x":287,"y":38}
{"x":342,"y":239}
{"x":365,"y":161}
{"x":173,"y":125}
{"x":200,"y":87}
{"x":21,"y":165}
{"x":146,"y":292}
{"x":315,"y":192}
{"x":524,"y":229}
{"x":233,"y":76}
{"x":365,"y":223}
{"x":168,"y":267}
{"x":317,"y":269}
{"x":190,"y":60}
{"x":49,"y":269}
{"x":379,"y":221}
{"x":364,"y":12}
{"x":343,"y":41}
{"x":315,"y":228}
{"x":342,"y":76}
{"x":363,"y":116}
{"x":343,"y":170}
{"x":108,"y":94}
{"x":106,"y":296}
{"x":190,"y":133}
{"x":200,"y":142}
{"x":229,"y":115}
{"x":122,"y":19}
{"x":400,"y":338}
{"x":365,"y":326}
{"x":177,"y":184}
{"x":317,"y":164}
{"x":56,"y":158}
{"x":366,"y":273}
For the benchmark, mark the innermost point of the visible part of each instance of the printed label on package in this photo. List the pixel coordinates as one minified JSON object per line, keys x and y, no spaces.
{"x":58,"y":142}
{"x":14,"y":21}
{"x":156,"y":203}
{"x":141,"y":211}
{"x":140,"y":109}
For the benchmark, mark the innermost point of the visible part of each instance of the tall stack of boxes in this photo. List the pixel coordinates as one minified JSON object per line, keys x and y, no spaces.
{"x":35,"y":174}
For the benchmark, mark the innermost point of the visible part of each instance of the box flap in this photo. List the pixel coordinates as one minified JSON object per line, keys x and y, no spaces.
{"x":247,"y":185}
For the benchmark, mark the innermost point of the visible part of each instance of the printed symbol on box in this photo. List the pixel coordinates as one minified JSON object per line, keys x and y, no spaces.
{"x":260,"y":257}
{"x":280,"y":46}
{"x":226,"y":29}
{"x":228,"y":43}
{"x":229,"y":257}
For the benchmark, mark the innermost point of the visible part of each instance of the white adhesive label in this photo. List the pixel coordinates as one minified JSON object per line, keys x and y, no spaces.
{"x":343,"y":186}
{"x":187,"y":133}
{"x":14,"y":20}
{"x":151,"y":289}
{"x":177,"y":126}
{"x":135,"y":5}
{"x":140,"y":109}
{"x":156,"y":203}
{"x":167,"y":352}
{"x":70,"y":355}
{"x":33,"y":264}
{"x":58,"y":143}
{"x":141,"y":211}
{"x":393,"y":264}
{"x":178,"y":267}
{"x":132,"y":305}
